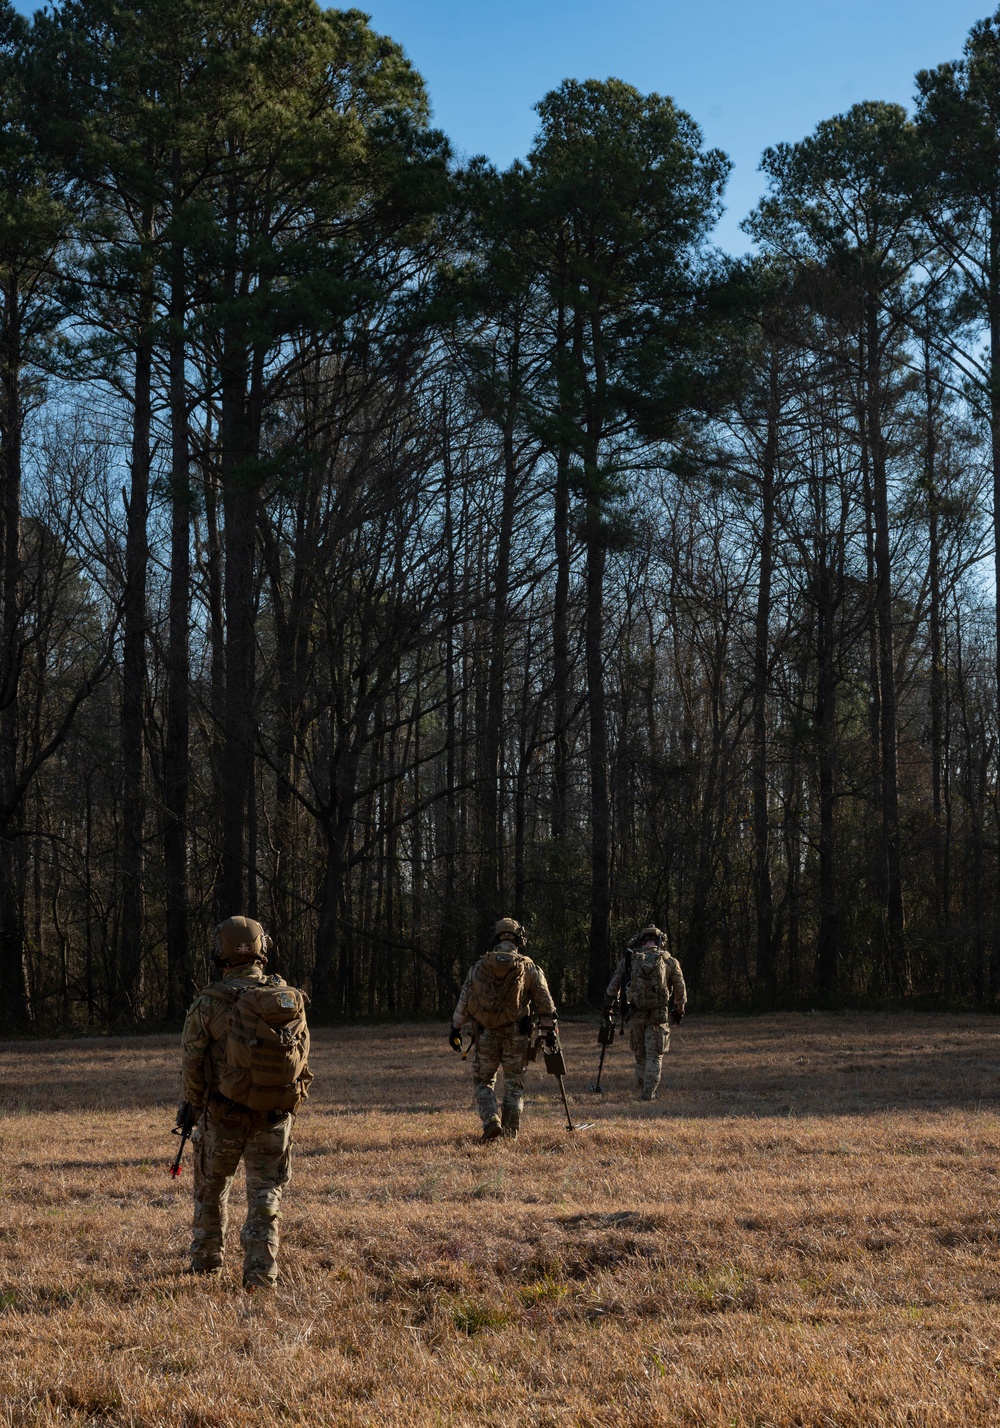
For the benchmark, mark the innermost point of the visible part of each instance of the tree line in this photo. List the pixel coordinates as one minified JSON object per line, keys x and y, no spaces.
{"x":389,"y":543}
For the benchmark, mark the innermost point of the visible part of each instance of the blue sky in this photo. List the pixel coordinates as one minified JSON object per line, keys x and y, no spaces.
{"x":751,"y":74}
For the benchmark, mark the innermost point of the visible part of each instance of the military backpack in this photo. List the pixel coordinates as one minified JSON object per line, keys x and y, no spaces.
{"x":647,"y":985}
{"x":496,"y":1001}
{"x":265,"y":1066}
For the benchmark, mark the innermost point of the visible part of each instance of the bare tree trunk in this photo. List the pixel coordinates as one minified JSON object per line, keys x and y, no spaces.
{"x":492,"y":889}
{"x":829,"y":930}
{"x":890,"y":843}
{"x":134,"y":656}
{"x":177,"y":734}
{"x":239,"y":496}
{"x":994,"y":288}
{"x":763,"y":893}
{"x":560,"y":627}
{"x":599,"y":969}
{"x":13,"y":988}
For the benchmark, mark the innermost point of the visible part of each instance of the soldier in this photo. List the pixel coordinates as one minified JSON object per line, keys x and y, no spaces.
{"x":497,"y":999}
{"x":654,"y":978}
{"x":244,"y":1088}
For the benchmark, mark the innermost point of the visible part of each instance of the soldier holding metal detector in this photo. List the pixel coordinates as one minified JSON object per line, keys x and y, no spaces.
{"x":501,"y":996}
{"x":647,"y":986}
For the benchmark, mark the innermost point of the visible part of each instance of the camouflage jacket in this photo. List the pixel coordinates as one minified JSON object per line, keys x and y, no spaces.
{"x":494,"y":1003}
{"x":676,"y":990}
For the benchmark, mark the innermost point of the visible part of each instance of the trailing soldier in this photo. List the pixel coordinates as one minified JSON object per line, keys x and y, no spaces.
{"x":245,"y":1048}
{"x":500,"y":993}
{"x":653,"y":979}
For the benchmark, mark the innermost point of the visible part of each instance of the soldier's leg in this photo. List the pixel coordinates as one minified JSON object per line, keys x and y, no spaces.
{"x":514,"y":1054}
{"x":637,"y":1041}
{"x":268,"y":1171}
{"x":217,"y":1151}
{"x":484,"y":1077}
{"x":656,"y":1038}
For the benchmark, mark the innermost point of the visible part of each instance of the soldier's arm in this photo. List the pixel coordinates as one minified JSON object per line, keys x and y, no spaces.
{"x":538,"y":988}
{"x":461,"y":1013}
{"x":678,"y":990}
{"x":614,"y":985}
{"x":195,"y":1039}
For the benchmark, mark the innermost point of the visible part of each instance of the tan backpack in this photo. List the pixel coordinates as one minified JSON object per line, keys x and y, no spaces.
{"x":265,"y":1066}
{"x":647,"y":985}
{"x":497,"y":1002}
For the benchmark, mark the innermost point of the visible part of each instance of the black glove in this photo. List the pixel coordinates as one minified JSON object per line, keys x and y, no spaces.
{"x":186,"y":1117}
{"x":550,"y":1038}
{"x":677,"y":1015}
{"x":455,"y":1038}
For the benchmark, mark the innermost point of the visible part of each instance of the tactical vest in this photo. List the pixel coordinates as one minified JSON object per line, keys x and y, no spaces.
{"x":497,"y":1001}
{"x":265,"y":1061}
{"x":647,"y":984}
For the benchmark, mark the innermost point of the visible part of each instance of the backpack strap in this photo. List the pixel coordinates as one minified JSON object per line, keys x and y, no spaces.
{"x":223,"y":993}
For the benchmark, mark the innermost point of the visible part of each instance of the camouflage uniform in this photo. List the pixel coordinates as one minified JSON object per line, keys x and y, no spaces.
{"x":499,"y":1007}
{"x":649,"y":1028}
{"x":224,"y":1135}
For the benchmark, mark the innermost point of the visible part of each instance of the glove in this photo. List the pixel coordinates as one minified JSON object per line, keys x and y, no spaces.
{"x":550,"y":1038}
{"x":677,"y":1015}
{"x":185,"y":1112}
{"x":455,"y":1038}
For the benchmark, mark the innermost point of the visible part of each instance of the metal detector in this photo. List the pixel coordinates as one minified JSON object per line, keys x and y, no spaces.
{"x":555,"y":1065}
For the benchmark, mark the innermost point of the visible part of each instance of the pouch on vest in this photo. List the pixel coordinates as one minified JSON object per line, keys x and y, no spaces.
{"x":265,"y":1067}
{"x":647,"y":986}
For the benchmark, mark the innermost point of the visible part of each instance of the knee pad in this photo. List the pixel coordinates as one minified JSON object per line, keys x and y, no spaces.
{"x":267,"y":1204}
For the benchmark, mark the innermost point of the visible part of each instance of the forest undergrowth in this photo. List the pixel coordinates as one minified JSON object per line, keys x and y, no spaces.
{"x":803,"y":1230}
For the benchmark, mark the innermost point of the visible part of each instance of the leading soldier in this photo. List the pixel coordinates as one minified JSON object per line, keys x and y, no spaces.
{"x":244,"y":1089}
{"x":654,"y":981}
{"x":499,"y":994}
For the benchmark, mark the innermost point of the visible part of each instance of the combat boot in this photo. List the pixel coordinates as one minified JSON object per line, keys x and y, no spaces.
{"x":492,"y":1129}
{"x":511,"y":1123}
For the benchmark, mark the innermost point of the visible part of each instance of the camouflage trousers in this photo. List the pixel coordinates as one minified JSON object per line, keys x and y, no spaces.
{"x":497,"y":1047}
{"x":221,"y":1139}
{"x":649,"y":1037}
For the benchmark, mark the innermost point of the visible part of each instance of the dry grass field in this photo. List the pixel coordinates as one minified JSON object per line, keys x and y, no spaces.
{"x":804,"y":1230}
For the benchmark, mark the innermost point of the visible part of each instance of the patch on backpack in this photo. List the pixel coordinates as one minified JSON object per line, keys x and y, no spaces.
{"x":285,"y":999}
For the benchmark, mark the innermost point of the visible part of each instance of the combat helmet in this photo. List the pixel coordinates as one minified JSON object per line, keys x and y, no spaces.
{"x":239,"y":940}
{"x":506,"y":940}
{"x":508,"y":929}
{"x":649,"y":934}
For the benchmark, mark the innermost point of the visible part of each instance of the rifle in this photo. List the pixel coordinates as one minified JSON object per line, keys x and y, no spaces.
{"x":555,"y":1065}
{"x":186,"y":1119}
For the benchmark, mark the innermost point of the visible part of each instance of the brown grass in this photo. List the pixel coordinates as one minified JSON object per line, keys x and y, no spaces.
{"x":804,"y":1231}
